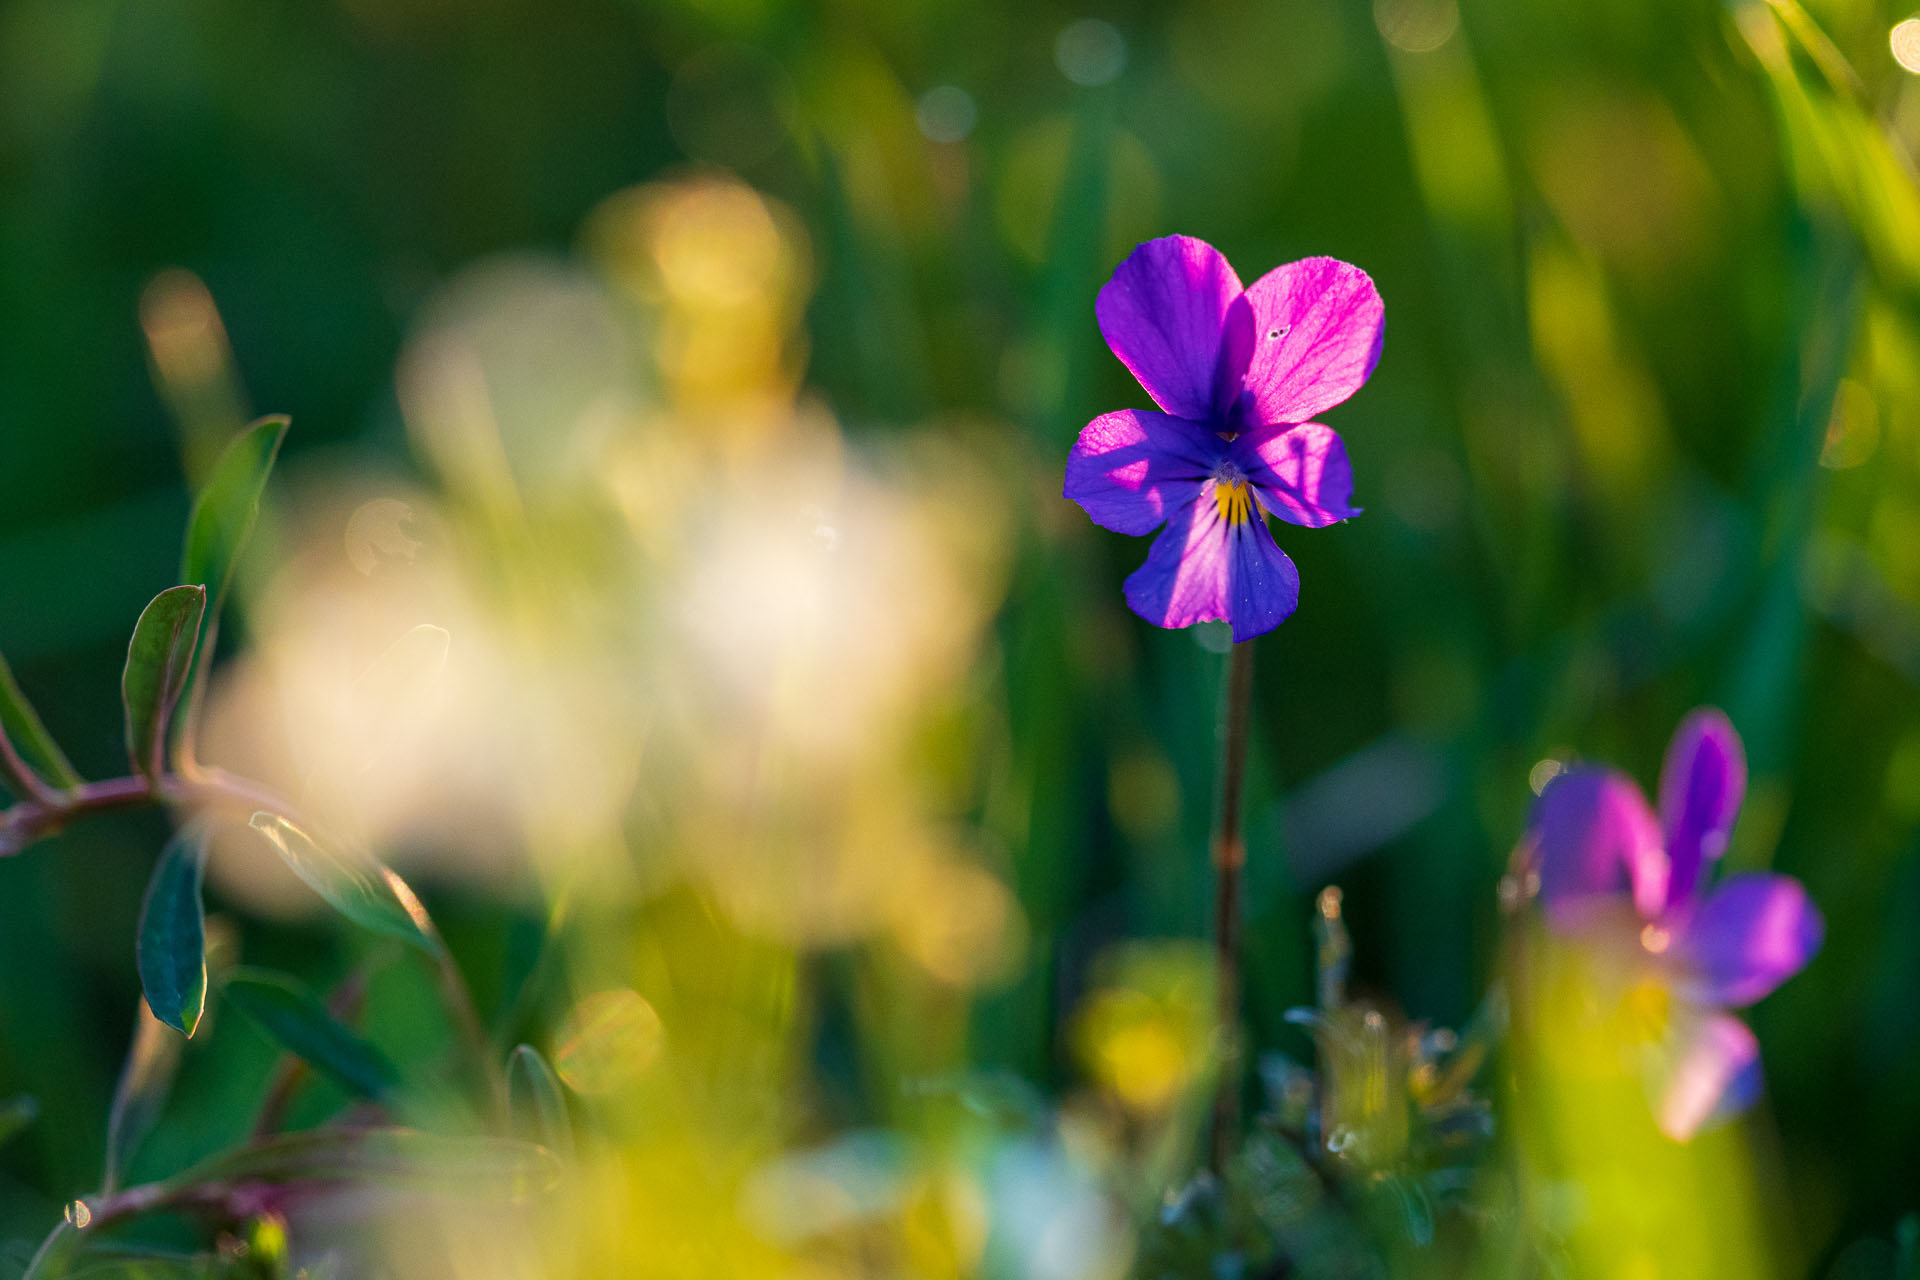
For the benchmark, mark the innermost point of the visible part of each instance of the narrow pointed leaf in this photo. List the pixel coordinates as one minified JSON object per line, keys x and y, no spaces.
{"x":536,"y":1103}
{"x":360,"y":889}
{"x":145,"y":1081}
{"x":226,"y":507}
{"x":159,"y":657}
{"x":290,"y":1013}
{"x":22,"y":726}
{"x":172,"y":943}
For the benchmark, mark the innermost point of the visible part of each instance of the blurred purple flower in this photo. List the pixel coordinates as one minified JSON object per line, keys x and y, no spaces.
{"x":1238,"y":373}
{"x":1594,"y":843}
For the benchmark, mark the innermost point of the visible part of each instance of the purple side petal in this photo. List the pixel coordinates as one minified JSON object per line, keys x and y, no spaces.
{"x":1701,"y":785}
{"x":1130,"y":469}
{"x":1204,"y":569}
{"x":1163,"y":313}
{"x":1716,"y":1071}
{"x":1594,"y":837}
{"x":1301,"y":473}
{"x":1306,"y":336}
{"x":1751,"y":934}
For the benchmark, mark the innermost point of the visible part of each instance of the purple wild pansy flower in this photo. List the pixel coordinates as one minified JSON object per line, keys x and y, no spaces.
{"x":1609,"y":869}
{"x":1238,"y":373}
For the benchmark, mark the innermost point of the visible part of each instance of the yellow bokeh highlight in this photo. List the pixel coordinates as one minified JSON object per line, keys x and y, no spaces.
{"x":608,"y":1040}
{"x":1147,"y":1036}
{"x":1904,"y":40}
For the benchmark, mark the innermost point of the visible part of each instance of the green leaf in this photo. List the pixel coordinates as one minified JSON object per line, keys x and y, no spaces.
{"x":145,"y":1081}
{"x":159,"y":658}
{"x":361,"y":889}
{"x":293,"y":1015}
{"x":225,"y":509}
{"x":173,"y":933}
{"x":22,"y":727}
{"x":535,"y":1102}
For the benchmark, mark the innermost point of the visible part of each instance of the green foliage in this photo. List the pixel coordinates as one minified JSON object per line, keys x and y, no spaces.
{"x":359,"y":888}
{"x":159,"y":660}
{"x":1559,"y":554}
{"x":171,"y":946}
{"x":20,"y":724}
{"x":224,"y":512}
{"x":537,"y":1103}
{"x":287,"y":1010}
{"x":153,"y":1059}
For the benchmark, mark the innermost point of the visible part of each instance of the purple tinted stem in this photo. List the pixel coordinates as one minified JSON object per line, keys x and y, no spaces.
{"x":1229,"y":855}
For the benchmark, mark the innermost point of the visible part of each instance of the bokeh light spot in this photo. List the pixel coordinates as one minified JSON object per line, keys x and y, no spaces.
{"x":1417,"y":26}
{"x":1904,"y":39}
{"x":1090,"y":52}
{"x":609,"y":1039}
{"x":946,"y":114}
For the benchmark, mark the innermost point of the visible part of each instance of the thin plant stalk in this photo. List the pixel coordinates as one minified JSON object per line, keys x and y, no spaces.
{"x":1229,"y":857}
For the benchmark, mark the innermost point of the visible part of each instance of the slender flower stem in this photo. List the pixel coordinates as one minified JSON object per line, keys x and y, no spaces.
{"x":1229,"y":856}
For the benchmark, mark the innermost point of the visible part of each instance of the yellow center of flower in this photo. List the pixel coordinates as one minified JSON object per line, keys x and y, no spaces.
{"x":1648,"y":1007}
{"x":1235,"y":500}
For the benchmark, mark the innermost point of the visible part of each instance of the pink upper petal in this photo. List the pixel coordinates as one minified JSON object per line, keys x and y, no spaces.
{"x":1301,"y":473}
{"x":1163,"y":313}
{"x":1304,"y":337}
{"x":1594,"y":837}
{"x":1701,"y":786}
{"x":1130,"y":469}
{"x":1203,"y":569}
{"x":1753,"y":932}
{"x":1712,"y":1069}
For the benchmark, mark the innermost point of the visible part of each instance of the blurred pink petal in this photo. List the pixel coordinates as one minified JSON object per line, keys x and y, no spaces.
{"x":1717,"y":1070}
{"x":1595,"y":837}
{"x":1701,"y":786}
{"x":1753,"y":932}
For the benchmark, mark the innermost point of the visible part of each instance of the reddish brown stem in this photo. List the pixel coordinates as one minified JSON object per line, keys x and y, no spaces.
{"x":1229,"y":856}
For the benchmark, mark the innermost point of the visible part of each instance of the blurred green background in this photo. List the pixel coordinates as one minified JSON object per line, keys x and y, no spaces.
{"x":1645,"y":434}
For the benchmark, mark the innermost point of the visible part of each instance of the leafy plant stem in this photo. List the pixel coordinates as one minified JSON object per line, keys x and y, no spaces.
{"x":31,"y":820}
{"x":1229,"y":856}
{"x":18,"y":773}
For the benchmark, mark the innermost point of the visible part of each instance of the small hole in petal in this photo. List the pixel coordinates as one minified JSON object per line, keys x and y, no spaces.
{"x":1275,"y":334}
